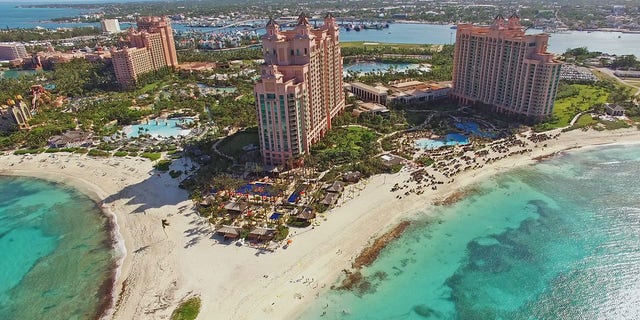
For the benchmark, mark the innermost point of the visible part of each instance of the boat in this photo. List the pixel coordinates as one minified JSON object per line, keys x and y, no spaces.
{"x":454,"y":27}
{"x":356,"y":28}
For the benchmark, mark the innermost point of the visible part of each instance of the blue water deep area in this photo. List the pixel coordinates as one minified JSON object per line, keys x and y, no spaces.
{"x":556,"y":240}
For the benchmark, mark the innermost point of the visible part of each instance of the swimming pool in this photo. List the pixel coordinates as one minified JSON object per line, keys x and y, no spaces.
{"x":451,"y":139}
{"x":471,"y":127}
{"x":261,"y":189}
{"x":159,"y":128}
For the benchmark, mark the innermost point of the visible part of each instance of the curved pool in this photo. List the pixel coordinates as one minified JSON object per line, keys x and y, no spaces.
{"x":450,"y":139}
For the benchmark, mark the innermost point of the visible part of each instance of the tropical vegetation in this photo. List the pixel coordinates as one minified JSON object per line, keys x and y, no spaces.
{"x":188,"y":310}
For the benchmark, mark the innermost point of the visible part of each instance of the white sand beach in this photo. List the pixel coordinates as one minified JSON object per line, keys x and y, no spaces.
{"x":159,"y":270}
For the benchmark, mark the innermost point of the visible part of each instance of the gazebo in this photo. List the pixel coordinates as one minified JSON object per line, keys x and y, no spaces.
{"x":261,"y":234}
{"x":352,"y":176}
{"x":307,"y":214}
{"x":336,"y":187}
{"x":236,"y":207}
{"x":228,"y":232}
{"x":329,"y":199}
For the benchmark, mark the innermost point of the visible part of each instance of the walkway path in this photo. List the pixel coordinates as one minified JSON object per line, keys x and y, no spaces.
{"x":218,"y":152}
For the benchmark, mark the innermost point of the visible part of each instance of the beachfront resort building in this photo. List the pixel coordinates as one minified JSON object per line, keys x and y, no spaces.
{"x":110,"y":25}
{"x":12,"y":50}
{"x":300,"y":88}
{"x":502,"y":67}
{"x":150,"y":48}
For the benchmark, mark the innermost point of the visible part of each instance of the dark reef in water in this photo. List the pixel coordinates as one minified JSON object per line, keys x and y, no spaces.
{"x":426,"y":312}
{"x":354,"y":279}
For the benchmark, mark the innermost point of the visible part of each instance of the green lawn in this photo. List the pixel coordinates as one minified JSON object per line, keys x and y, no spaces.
{"x":585,"y":120}
{"x":232,"y":145}
{"x":566,"y":108}
{"x":345,"y":145}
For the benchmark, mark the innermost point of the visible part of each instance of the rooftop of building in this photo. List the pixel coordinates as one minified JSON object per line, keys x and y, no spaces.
{"x":413,"y":85}
{"x":11,"y":43}
{"x":379,"y":89}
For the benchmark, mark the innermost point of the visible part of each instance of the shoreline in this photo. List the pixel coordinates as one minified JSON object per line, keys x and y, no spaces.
{"x":117,"y":244}
{"x":112,"y":192}
{"x":593,"y":139}
{"x":159,"y":270}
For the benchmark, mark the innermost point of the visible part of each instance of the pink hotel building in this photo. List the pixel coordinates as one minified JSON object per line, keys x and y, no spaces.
{"x":300,"y":89}
{"x":148,"y":49}
{"x":502,"y":67}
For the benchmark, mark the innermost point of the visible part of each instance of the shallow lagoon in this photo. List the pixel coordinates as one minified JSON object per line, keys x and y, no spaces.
{"x":57,"y":252}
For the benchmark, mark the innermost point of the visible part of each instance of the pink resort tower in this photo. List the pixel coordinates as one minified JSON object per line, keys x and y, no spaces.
{"x":502,"y":67}
{"x":300,"y":89}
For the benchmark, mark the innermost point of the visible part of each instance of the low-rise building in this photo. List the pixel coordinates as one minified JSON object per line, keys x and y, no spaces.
{"x":390,"y":160}
{"x":367,"y":93}
{"x":70,"y":139}
{"x":411,"y":92}
{"x":614,"y":110}
{"x":370,"y":108}
{"x":627,"y":74}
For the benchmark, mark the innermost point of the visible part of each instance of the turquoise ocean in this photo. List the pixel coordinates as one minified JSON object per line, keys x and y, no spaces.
{"x":556,"y":240}
{"x":57,"y":260}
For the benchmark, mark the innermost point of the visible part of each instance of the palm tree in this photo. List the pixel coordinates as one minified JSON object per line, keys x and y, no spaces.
{"x":165,"y":224}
